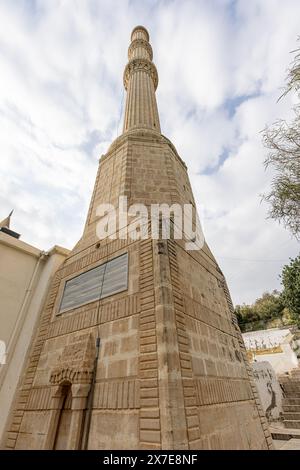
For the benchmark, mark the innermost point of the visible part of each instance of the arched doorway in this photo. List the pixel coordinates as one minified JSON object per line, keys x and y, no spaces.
{"x":71,"y":379}
{"x":64,"y":420}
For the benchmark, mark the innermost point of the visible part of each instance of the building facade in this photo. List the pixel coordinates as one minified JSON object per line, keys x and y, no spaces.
{"x":171,"y":371}
{"x":25,"y":274}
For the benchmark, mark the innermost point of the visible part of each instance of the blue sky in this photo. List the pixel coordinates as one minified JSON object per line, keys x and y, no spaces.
{"x":221,"y":66}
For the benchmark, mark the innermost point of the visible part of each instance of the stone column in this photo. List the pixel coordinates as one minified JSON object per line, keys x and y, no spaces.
{"x":79,"y":398}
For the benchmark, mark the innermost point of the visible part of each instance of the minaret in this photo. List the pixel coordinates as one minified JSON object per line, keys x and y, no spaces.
{"x":5,"y":227}
{"x":5,"y":223}
{"x":140,"y":82}
{"x":172,"y":371}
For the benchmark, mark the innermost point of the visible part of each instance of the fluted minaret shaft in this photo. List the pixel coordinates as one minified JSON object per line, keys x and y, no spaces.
{"x":140,"y":82}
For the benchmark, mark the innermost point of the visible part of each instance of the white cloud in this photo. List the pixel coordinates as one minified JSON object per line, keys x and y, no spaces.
{"x":221,"y":65}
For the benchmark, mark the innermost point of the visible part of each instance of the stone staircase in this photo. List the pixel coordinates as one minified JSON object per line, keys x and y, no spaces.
{"x":291,"y":401}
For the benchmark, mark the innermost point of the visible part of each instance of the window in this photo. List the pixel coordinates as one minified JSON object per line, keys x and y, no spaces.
{"x":95,"y":284}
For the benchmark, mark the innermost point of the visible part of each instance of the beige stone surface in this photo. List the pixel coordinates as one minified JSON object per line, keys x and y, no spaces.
{"x":111,"y":429}
{"x":292,"y":444}
{"x":172,"y":371}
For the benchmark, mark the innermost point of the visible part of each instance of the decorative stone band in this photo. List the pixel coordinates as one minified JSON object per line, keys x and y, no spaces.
{"x":143,"y":65}
{"x":140,"y":43}
{"x":72,"y":375}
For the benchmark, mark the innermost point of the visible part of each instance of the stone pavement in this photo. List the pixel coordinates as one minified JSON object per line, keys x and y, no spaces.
{"x":284,"y":438}
{"x":292,"y":444}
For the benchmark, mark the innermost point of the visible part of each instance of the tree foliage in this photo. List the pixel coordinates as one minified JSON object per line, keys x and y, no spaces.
{"x":283,"y":142}
{"x":267,"y":311}
{"x":274,"y":309}
{"x":290,"y":279}
{"x":293,"y":77}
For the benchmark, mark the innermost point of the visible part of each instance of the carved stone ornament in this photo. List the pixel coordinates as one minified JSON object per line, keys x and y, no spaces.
{"x":140,"y":43}
{"x":76,"y":362}
{"x":140,"y":64}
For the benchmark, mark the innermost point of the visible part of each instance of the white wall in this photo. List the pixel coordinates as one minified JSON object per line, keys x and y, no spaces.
{"x":268,"y":389}
{"x":25,"y":274}
{"x":264,"y":340}
{"x":281,"y":362}
{"x":16,"y":270}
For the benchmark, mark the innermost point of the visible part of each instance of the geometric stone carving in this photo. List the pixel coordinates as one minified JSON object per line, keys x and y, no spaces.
{"x":75,"y":364}
{"x":140,"y":64}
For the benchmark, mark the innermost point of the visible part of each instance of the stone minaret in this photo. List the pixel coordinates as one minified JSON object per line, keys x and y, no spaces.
{"x":172,"y":372}
{"x":140,"y":81}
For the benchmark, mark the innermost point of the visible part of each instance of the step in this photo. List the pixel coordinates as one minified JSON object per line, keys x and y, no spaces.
{"x":286,"y":378}
{"x":292,"y":394}
{"x":291,"y":385}
{"x":282,"y":433}
{"x":291,"y":416}
{"x":290,"y":401}
{"x":292,"y":424}
{"x":292,"y":380}
{"x":291,"y":408}
{"x":291,"y":444}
